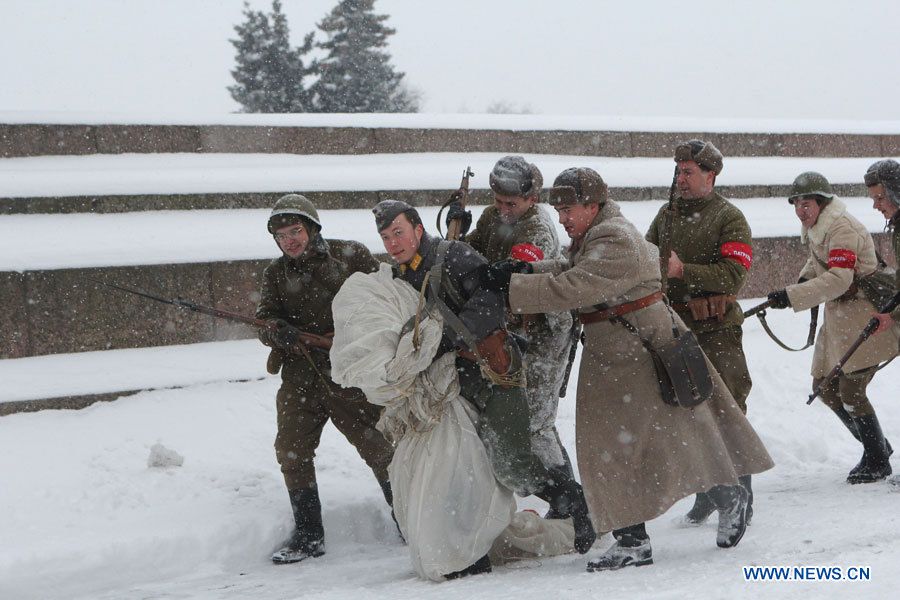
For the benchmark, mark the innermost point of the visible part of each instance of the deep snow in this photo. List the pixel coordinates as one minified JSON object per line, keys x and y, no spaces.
{"x":83,"y":516}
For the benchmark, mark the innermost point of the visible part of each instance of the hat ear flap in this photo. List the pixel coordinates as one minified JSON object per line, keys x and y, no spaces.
{"x":537,"y":181}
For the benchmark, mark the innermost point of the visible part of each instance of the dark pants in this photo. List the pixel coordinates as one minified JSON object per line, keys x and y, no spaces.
{"x":302,"y":414}
{"x":848,"y":392}
{"x":503,"y":426}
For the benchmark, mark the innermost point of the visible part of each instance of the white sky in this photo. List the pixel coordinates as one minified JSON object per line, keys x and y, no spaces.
{"x":713,"y":58}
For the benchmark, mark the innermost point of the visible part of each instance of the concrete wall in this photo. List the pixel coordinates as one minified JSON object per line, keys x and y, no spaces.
{"x":333,"y":200}
{"x":40,"y":140}
{"x":48,"y":312}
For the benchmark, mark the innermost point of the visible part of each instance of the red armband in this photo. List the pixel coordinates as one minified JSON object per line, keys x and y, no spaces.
{"x":526,"y":252}
{"x":738,"y":251}
{"x":840,"y":258}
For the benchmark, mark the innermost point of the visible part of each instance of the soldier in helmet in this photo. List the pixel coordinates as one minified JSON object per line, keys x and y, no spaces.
{"x":883,"y":183}
{"x":710,"y":260}
{"x":516,"y":228}
{"x":841,"y":255}
{"x":297,"y":291}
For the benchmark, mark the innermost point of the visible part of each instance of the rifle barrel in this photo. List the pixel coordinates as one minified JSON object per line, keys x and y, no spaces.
{"x":757,"y":309}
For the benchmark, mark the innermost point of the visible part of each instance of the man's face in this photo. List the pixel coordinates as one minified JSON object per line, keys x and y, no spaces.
{"x":692,"y":181}
{"x":807,"y":210}
{"x":576,"y":219}
{"x":292,"y":239}
{"x":401,"y":239}
{"x":511,"y":208}
{"x":881,"y":202}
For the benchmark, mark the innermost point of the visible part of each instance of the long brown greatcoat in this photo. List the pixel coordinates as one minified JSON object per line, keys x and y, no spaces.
{"x":637,"y":455}
{"x":845,"y":246}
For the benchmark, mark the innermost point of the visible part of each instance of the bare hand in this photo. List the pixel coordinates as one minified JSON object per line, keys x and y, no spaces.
{"x":676,"y":267}
{"x":885,"y":322}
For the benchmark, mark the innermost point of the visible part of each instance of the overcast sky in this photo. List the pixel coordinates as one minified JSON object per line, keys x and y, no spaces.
{"x":762,"y":58}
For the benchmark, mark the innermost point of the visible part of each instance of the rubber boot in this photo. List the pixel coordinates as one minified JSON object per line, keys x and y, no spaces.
{"x":699,"y":513}
{"x":745,"y":480}
{"x":566,"y":498}
{"x":731,"y":502}
{"x":876,"y":464}
{"x":308,"y":539}
{"x":389,"y":498}
{"x":632,"y":549}
{"x":482,"y":565}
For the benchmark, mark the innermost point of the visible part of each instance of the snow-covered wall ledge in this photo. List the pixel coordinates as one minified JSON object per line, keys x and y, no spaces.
{"x":63,"y":310}
{"x":39,"y":134}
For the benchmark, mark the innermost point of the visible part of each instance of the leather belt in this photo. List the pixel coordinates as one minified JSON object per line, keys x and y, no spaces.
{"x":621,"y":309}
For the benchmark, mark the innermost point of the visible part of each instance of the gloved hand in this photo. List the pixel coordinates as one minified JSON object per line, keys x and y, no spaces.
{"x":285,"y":336}
{"x":456,"y":211}
{"x":496,"y":277}
{"x":779,"y":299}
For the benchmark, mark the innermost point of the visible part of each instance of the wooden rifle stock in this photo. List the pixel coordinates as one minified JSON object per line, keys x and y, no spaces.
{"x":454,"y":226}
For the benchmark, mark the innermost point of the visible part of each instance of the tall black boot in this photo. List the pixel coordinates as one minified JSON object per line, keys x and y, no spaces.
{"x":745,"y":480}
{"x":389,"y":498}
{"x":699,"y":513}
{"x":731,"y":502}
{"x":566,"y":498}
{"x":308,"y":539}
{"x":876,"y":464}
{"x":848,"y":422}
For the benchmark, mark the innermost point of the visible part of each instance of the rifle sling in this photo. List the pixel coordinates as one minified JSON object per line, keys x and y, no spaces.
{"x":810,"y":338}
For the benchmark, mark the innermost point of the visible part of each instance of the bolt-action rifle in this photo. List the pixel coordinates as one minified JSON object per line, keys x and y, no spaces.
{"x":870,"y":328}
{"x":665,"y":238}
{"x":307,"y":340}
{"x":461,"y":196}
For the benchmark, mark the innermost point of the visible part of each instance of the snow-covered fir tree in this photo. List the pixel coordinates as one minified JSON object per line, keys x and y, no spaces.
{"x":356,"y":74}
{"x":269,"y":72}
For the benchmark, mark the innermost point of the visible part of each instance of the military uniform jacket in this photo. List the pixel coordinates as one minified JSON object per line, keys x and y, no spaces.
{"x":840,"y":249}
{"x":533,"y":237}
{"x":637,"y":455}
{"x":481,"y":311}
{"x":712,"y":238}
{"x":300,"y":291}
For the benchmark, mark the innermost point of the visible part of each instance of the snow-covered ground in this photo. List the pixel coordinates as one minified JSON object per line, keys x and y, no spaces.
{"x":83,"y":516}
{"x":195,"y":173}
{"x":161,"y":237}
{"x":513,"y":122}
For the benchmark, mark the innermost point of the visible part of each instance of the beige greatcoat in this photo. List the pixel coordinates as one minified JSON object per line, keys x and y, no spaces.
{"x":637,"y":455}
{"x":838,"y":231}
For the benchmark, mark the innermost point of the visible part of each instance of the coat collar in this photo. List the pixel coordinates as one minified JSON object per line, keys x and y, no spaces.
{"x":816,"y":234}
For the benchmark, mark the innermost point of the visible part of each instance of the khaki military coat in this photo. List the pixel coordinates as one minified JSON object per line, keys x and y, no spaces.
{"x":840,"y":250}
{"x":637,"y":455}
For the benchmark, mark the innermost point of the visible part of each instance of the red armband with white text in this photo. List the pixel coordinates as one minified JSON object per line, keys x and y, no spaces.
{"x":738,"y":251}
{"x":839,"y":258}
{"x":526,"y":252}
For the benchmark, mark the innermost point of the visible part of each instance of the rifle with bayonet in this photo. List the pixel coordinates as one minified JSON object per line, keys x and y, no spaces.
{"x":867,"y":332}
{"x":307,"y":340}
{"x":461,"y":196}
{"x":665,"y":238}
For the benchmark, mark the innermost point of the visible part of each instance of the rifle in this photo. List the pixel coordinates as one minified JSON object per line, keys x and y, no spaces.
{"x":665,"y":237}
{"x":319,"y":342}
{"x":871,"y":326}
{"x":759,"y":308}
{"x":463,"y":197}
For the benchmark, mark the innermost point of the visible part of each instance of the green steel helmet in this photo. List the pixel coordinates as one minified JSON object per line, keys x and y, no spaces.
{"x":292,"y":209}
{"x":811,"y":184}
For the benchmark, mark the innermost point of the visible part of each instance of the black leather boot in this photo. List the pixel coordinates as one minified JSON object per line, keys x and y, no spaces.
{"x":566,"y":499}
{"x":482,"y":565}
{"x":699,"y":513}
{"x":308,"y":539}
{"x":876,"y":464}
{"x":746,"y":481}
{"x":632,"y":549}
{"x":848,"y":422}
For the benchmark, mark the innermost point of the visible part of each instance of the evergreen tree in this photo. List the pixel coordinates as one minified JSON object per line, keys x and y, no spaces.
{"x":356,"y":74}
{"x":269,"y":72}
